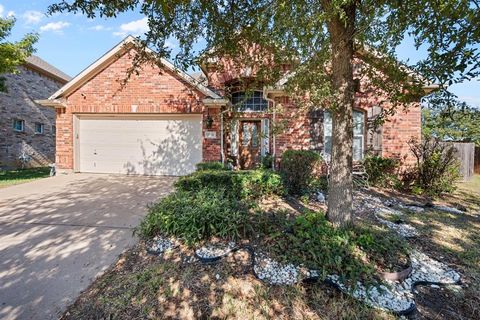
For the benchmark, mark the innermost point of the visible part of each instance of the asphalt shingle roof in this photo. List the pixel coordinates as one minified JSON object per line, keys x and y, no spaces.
{"x":39,"y":63}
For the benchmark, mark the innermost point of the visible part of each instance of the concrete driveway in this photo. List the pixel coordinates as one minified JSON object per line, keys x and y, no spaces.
{"x":58,"y":234}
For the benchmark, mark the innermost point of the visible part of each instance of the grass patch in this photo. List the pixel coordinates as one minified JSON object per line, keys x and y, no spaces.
{"x":12,"y":177}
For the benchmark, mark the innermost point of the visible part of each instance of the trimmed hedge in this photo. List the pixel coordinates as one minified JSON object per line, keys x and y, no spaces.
{"x":297,"y":170}
{"x":211,"y":166}
{"x":239,"y":184}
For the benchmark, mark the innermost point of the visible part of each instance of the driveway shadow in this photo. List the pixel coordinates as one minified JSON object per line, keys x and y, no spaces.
{"x":58,"y":234}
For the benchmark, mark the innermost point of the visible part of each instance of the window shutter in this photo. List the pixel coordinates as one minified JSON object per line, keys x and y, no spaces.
{"x":375,"y":135}
{"x":265,"y":137}
{"x":234,"y":138}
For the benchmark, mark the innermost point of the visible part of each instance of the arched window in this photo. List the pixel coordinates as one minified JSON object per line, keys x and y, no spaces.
{"x":358,"y":134}
{"x":249,"y":101}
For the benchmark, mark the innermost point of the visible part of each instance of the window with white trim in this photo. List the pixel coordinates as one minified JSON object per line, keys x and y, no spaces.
{"x":358,"y":134}
{"x":249,"y":101}
{"x":19,"y":125}
{"x":39,"y":128}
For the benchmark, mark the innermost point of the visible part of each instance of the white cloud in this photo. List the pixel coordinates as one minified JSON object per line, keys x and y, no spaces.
{"x":2,"y":9}
{"x":136,"y":28}
{"x":32,"y":17}
{"x":54,"y":26}
{"x":10,"y":13}
{"x":99,"y":27}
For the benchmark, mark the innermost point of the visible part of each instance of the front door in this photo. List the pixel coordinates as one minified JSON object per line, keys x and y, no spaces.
{"x":249,"y":144}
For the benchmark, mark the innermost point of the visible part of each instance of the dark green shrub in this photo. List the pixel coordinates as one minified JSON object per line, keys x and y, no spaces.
{"x":260,"y":183}
{"x":239,"y":184}
{"x":221,"y":179}
{"x":436,"y":170}
{"x":297,"y":169}
{"x":267,"y":161}
{"x":382,"y":172}
{"x":211,"y":166}
{"x":319,"y":184}
{"x":196,"y":216}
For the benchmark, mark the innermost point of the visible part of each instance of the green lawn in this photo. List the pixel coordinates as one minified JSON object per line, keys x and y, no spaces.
{"x":12,"y":177}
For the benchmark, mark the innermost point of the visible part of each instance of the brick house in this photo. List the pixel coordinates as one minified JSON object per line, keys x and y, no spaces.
{"x":27,"y":130}
{"x":164,"y":121}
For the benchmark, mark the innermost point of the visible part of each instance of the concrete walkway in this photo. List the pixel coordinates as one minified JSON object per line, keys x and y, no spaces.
{"x":58,"y":234}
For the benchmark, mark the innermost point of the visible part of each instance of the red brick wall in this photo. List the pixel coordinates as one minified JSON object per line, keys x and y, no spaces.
{"x":152,"y":91}
{"x":297,"y":133}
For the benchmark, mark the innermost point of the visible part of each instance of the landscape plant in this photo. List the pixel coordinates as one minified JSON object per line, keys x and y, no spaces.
{"x":354,"y":253}
{"x":210,"y":203}
{"x":298,"y":169}
{"x":436,"y":170}
{"x":382,"y":171}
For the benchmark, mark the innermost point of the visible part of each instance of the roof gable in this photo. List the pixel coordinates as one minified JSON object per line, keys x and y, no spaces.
{"x":112,"y":55}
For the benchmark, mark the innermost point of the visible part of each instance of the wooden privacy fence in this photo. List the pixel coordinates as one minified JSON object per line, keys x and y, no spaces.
{"x":476,"y":161}
{"x":466,"y":157}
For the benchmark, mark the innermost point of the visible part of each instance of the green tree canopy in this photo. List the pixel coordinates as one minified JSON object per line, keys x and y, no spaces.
{"x":447,"y":118}
{"x":318,"y":40}
{"x":13,"y":54}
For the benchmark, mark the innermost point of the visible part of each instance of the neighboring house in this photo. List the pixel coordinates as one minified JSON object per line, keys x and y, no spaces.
{"x":163,"y":122}
{"x":27,"y":130}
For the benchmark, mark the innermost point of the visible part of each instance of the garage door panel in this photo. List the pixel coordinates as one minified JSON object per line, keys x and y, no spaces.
{"x":152,"y":147}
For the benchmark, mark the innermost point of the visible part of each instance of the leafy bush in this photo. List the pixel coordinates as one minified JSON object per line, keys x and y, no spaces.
{"x":227,"y":180}
{"x":267,"y":161}
{"x":436,"y":169}
{"x":382,"y":172}
{"x":211,"y":166}
{"x":297,"y":170}
{"x":196,"y":216}
{"x":209,"y":203}
{"x":353,"y":253}
{"x":319,"y":184}
{"x":260,"y":183}
{"x":239,"y":184}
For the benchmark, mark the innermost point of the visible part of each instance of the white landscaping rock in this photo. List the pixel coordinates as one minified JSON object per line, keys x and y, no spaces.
{"x":425,"y":269}
{"x":214,"y":251}
{"x":411,"y":207}
{"x":274,"y":272}
{"x":448,"y":209}
{"x":394,"y":298}
{"x":320,"y":197}
{"x":398,"y":296}
{"x":405,"y":230}
{"x":160,"y":245}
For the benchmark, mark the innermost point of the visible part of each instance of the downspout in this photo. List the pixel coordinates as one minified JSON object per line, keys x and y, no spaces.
{"x":265,"y":96}
{"x":222,"y":151}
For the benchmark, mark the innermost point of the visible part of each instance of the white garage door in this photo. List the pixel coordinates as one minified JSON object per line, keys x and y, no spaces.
{"x":170,"y":145}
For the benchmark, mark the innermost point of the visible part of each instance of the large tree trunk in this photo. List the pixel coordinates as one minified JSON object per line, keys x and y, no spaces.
{"x":340,"y":185}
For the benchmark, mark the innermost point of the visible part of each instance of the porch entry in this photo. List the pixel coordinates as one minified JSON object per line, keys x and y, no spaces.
{"x":250,"y":141}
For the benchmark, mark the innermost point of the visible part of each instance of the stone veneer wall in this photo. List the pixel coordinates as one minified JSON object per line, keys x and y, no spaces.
{"x":18,"y":103}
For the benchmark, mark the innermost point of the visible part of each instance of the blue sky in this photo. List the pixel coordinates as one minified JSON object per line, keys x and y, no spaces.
{"x":71,"y":42}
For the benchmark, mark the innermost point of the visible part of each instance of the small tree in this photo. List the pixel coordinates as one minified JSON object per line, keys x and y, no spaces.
{"x":13,"y":54}
{"x":319,"y":41}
